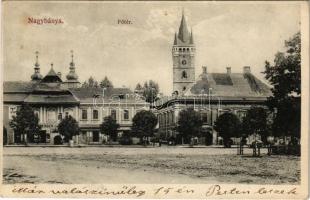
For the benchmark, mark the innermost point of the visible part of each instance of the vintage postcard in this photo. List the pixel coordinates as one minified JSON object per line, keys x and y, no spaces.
{"x":155,"y":100}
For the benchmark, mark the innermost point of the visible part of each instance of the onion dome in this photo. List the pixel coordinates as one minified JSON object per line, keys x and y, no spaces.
{"x":72,"y":76}
{"x":36,"y":76}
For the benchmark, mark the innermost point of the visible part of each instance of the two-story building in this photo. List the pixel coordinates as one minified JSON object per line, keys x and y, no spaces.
{"x":52,"y":99}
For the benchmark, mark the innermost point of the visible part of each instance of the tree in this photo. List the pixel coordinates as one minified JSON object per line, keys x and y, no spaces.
{"x":91,"y":83}
{"x":227,"y":125}
{"x":144,"y":123}
{"x":106,"y":83}
{"x":138,"y":87}
{"x":25,"y":123}
{"x":189,"y":123}
{"x":84,"y":84}
{"x":68,"y":127}
{"x":255,"y":122}
{"x":110,"y":127}
{"x":285,"y":77}
{"x":149,"y":91}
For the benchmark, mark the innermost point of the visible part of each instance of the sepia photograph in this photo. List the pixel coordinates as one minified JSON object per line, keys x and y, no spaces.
{"x":155,"y":93}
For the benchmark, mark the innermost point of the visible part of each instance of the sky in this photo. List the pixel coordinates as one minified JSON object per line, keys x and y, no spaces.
{"x":226,"y":34}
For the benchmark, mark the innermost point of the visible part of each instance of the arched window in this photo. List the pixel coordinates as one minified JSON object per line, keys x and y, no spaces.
{"x":184,"y":74}
{"x":184,"y":88}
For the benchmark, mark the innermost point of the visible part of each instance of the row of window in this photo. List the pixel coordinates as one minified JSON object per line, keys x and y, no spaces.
{"x":95,"y":114}
{"x":51,"y":114}
{"x":205,"y":117}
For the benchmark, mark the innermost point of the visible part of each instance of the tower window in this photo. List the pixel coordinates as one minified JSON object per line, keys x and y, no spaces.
{"x":184,"y":88}
{"x":184,"y":74}
{"x":183,"y":49}
{"x":187,"y":49}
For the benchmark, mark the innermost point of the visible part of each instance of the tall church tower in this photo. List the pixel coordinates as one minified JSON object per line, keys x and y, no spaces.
{"x":183,"y":55}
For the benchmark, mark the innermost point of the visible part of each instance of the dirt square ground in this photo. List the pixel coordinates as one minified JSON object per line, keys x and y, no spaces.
{"x":146,"y":165}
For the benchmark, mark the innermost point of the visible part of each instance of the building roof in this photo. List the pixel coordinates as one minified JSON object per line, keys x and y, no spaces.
{"x":50,"y":99}
{"x":49,"y":87}
{"x":42,"y":92}
{"x":229,"y":85}
{"x":51,"y":77}
{"x":18,"y":86}
{"x":14,"y":97}
{"x":86,"y":95}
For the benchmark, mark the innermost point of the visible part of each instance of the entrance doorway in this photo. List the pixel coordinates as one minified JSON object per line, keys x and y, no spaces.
{"x":95,"y":136}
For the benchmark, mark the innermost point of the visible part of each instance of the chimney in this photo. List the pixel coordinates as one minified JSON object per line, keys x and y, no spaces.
{"x":59,"y":74}
{"x":246,"y":69}
{"x":204,"y":69}
{"x":228,"y":70}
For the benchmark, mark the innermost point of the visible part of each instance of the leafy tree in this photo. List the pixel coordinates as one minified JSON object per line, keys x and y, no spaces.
{"x":25,"y":123}
{"x":144,"y":123}
{"x":285,"y":76}
{"x":227,"y":125}
{"x":106,"y":83}
{"x":91,"y":83}
{"x":149,"y":91}
{"x":255,"y":122}
{"x":138,"y":87}
{"x":84,"y":84}
{"x":68,"y":127}
{"x":189,"y":123}
{"x":110,"y":127}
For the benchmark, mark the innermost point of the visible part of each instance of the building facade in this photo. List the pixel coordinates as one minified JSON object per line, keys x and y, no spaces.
{"x":212,"y":94}
{"x":52,"y":99}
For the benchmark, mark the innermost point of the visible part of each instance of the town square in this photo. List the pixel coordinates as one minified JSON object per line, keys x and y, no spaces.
{"x":169,"y":94}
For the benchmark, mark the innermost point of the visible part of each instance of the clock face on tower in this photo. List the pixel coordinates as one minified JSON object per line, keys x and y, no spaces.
{"x":183,"y":62}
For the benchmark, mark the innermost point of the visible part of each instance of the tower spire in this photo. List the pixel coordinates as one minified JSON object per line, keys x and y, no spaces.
{"x":183,"y":31}
{"x":72,"y":76}
{"x":36,"y":76}
{"x":72,"y":62}
{"x":37,"y":59}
